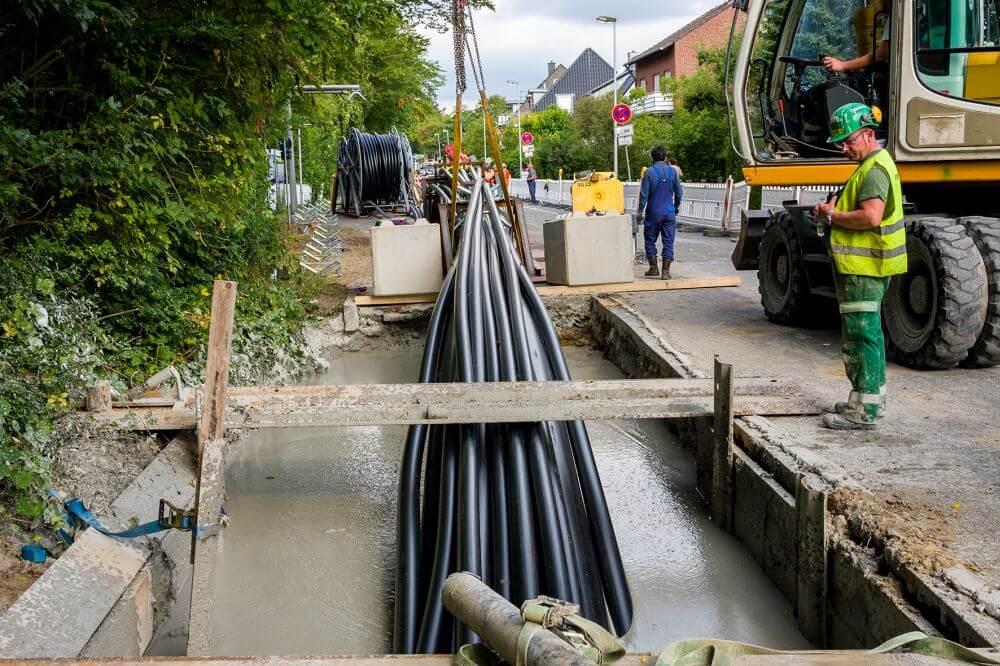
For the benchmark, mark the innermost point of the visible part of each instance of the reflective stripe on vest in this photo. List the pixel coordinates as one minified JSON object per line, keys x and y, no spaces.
{"x":875,"y":252}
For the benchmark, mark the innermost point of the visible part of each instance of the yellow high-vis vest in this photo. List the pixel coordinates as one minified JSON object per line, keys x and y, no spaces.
{"x":876,"y":252}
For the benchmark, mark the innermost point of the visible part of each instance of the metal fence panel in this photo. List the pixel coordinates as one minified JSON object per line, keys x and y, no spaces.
{"x":701,"y":205}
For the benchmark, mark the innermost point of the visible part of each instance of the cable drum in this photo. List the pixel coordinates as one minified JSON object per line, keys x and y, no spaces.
{"x":375,"y":171}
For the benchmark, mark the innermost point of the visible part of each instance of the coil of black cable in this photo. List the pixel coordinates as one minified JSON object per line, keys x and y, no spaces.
{"x":375,"y":172}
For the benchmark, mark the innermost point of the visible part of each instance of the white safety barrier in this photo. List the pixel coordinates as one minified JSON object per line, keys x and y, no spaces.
{"x":703,"y":204}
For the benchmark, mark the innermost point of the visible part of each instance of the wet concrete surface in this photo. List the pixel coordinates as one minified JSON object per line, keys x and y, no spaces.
{"x":936,"y":455}
{"x":307,"y":563}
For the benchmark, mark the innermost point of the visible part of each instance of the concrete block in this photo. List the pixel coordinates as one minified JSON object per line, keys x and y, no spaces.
{"x":406,"y":259}
{"x":352,"y":321}
{"x":588,"y":250}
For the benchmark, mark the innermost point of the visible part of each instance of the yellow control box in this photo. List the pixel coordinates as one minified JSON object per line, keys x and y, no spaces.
{"x":599,"y":192}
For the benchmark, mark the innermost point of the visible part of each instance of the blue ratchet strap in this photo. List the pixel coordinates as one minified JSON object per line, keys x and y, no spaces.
{"x":78,"y":515}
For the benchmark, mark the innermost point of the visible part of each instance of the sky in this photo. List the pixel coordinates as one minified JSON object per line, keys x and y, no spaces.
{"x":521,"y":36}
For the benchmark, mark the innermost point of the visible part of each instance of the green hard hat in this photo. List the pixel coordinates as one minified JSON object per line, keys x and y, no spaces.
{"x":848,"y":119}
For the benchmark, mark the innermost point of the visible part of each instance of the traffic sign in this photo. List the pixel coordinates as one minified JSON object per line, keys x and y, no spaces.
{"x":622,"y":113}
{"x":527,"y":138}
{"x":529,"y":150}
{"x":626,"y":134}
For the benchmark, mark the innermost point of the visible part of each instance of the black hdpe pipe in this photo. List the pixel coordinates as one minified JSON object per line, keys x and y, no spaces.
{"x":519,"y":504}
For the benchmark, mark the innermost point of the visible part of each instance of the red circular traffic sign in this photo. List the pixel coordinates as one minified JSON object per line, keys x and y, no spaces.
{"x":622,"y":113}
{"x":527,"y":138}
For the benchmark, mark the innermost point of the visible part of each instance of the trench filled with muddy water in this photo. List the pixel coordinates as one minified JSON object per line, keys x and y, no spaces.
{"x":306,"y":566}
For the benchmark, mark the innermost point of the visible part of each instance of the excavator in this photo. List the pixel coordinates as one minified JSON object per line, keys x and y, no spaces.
{"x":930,"y":70}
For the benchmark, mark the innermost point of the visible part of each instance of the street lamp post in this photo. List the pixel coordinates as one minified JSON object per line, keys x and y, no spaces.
{"x":437,"y":135}
{"x":614,"y":80}
{"x":517,"y":100}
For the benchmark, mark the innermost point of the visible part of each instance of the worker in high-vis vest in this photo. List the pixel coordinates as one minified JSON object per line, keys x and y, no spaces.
{"x":868,"y":246}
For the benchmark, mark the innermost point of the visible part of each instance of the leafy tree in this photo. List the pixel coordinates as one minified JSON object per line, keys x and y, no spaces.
{"x":133,"y":173}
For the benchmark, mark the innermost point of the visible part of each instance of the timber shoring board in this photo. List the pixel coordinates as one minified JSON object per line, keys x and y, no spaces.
{"x":563,"y":290}
{"x":494,"y":402}
{"x":833,"y":658}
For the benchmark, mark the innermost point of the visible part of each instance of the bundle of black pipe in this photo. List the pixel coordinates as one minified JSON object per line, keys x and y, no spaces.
{"x":520,"y":505}
{"x":375,"y":170}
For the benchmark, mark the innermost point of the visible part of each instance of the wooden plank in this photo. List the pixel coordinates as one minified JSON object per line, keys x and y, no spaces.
{"x":631,"y":659}
{"x":210,"y":483}
{"x":220,"y":336}
{"x":211,"y":492}
{"x":99,"y":397}
{"x":496,"y":402}
{"x":641,"y":285}
{"x":724,"y":407}
{"x":563,"y":290}
{"x":149,"y":418}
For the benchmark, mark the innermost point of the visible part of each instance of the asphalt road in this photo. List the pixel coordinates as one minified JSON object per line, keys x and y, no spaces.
{"x":936,"y":455}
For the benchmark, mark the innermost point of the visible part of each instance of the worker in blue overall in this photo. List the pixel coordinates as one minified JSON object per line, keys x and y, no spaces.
{"x":661,"y":189}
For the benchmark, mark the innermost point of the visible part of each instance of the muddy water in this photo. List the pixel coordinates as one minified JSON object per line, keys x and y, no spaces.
{"x":307,"y":562}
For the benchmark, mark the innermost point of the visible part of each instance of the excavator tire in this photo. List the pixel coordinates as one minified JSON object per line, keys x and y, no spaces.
{"x":781,"y":275}
{"x":934,"y":313}
{"x":985,"y":233}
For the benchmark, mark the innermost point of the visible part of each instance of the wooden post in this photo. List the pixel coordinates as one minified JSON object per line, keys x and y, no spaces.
{"x":99,"y":397}
{"x":811,"y":569}
{"x":210,"y":488}
{"x":722,"y":459}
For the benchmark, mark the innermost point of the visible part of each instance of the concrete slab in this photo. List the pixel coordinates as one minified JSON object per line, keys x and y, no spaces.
{"x":406,"y":259}
{"x":588,"y":250}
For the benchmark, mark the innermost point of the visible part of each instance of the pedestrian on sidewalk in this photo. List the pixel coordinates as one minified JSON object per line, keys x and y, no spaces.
{"x":661,"y":189}
{"x":672,"y":161}
{"x":506,"y":176}
{"x":531,"y":176}
{"x":868,"y":245}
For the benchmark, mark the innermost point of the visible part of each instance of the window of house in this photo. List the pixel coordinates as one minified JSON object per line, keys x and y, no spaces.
{"x":656,"y":83}
{"x":642,"y":84}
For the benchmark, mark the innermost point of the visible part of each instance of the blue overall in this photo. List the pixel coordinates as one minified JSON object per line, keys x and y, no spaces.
{"x":661,"y":190}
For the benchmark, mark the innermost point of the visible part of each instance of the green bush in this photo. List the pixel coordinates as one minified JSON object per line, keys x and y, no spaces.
{"x":133,"y":174}
{"x":52,"y":344}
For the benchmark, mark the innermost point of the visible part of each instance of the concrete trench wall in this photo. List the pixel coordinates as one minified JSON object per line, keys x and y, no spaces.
{"x":845,"y":587}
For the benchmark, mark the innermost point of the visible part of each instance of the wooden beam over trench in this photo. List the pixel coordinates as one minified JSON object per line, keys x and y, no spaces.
{"x":495,"y":402}
{"x":835,"y":658}
{"x":561,"y":290}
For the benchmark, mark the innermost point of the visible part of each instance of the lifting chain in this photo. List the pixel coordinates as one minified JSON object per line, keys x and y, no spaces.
{"x":458,"y":34}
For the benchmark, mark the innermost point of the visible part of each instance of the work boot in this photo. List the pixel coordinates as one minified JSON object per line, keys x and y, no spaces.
{"x":654,"y":270}
{"x":838,"y":422}
{"x":666,"y":268}
{"x":837,"y":408}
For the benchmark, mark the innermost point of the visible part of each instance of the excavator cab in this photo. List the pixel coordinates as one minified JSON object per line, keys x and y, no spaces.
{"x":794,"y":93}
{"x":930,"y":69}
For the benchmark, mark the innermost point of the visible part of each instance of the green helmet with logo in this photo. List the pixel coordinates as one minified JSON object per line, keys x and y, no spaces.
{"x":848,"y":119}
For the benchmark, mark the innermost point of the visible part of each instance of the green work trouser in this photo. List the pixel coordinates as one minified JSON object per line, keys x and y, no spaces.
{"x":860,"y":298}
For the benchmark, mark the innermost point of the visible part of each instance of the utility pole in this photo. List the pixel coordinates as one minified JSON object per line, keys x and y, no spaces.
{"x":302,"y":178}
{"x":614,"y":81}
{"x":293,"y":197}
{"x":517,"y":101}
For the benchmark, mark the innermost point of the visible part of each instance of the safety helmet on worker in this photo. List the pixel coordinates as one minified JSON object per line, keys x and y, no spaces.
{"x":848,"y":119}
